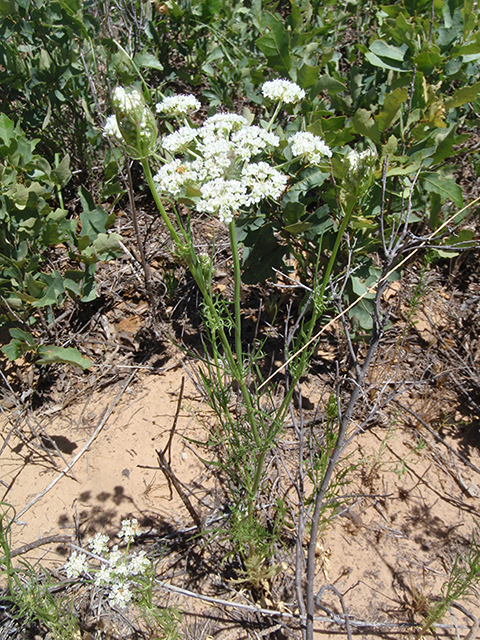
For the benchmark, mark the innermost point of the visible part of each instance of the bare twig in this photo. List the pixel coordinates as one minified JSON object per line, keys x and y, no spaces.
{"x":167,"y":470}
{"x":39,"y":543}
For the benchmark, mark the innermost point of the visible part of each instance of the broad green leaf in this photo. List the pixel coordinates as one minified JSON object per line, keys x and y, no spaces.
{"x":391,"y":108}
{"x":365,"y":125}
{"x":462,"y":96}
{"x":332,"y":85}
{"x":25,"y":336}
{"x":446,"y":188}
{"x":262,"y":254}
{"x":53,"y":291}
{"x":297,"y":227}
{"x":378,"y":62}
{"x":147,"y":60}
{"x":107,"y":243}
{"x":384,"y":50}
{"x":14,"y":349}
{"x":62,"y":174}
{"x":307,"y":76}
{"x":276,"y":45}
{"x":7,"y":128}
{"x":427,"y":62}
{"x":66,"y":355}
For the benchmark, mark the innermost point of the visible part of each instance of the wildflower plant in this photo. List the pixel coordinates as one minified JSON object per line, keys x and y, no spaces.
{"x":229,"y":167}
{"x":119,"y":573}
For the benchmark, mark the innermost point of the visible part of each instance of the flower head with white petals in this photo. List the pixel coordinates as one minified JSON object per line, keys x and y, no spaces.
{"x":310,"y":146}
{"x":76,"y":565}
{"x":120,"y":574}
{"x":283,"y":90}
{"x":216,"y":168}
{"x":179,"y":105}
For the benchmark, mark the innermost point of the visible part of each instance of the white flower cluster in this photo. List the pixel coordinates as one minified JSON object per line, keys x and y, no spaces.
{"x":129,"y":530}
{"x":354,"y":160}
{"x":312,"y":147}
{"x":283,"y":90}
{"x":179,"y":105}
{"x":133,"y":124}
{"x":111,"y":128}
{"x":127,"y":100}
{"x":119,"y":571}
{"x":217,"y":168}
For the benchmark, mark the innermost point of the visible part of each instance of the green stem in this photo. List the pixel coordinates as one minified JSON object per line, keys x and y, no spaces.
{"x":333,"y":257}
{"x":237,"y":294}
{"x":158,"y":202}
{"x":275,"y":114}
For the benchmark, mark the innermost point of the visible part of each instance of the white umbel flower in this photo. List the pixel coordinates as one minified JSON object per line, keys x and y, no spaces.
{"x":263,"y":181}
{"x":129,"y":530}
{"x":249,"y":141}
{"x":127,"y":100}
{"x":222,"y":197}
{"x":179,"y":140}
{"x":111,"y":128}
{"x":99,"y":543}
{"x":312,"y":147}
{"x":139,"y":564}
{"x":173,"y":177}
{"x":179,"y":105}
{"x":120,"y":595}
{"x":283,"y":90}
{"x":76,"y":565}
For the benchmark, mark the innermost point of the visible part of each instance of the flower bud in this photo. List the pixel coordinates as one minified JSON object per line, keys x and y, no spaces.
{"x":359,"y":171}
{"x":136,"y":122}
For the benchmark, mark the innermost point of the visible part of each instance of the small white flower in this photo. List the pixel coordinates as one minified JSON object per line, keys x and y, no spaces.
{"x":115,"y":557}
{"x":139,"y":564}
{"x":178,"y":105}
{"x":179,"y":140}
{"x":99,"y":543}
{"x":129,"y":530}
{"x":222,"y":197}
{"x":309,"y":145}
{"x":126,"y":100}
{"x":249,"y":141}
{"x":263,"y":181}
{"x":283,"y":90}
{"x":172,"y":178}
{"x":76,"y":565}
{"x":354,"y":159}
{"x":223,"y":123}
{"x":111,"y":128}
{"x":105,"y":576}
{"x":120,"y":595}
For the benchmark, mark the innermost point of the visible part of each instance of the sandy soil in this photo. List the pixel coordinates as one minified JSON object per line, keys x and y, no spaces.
{"x":388,"y":551}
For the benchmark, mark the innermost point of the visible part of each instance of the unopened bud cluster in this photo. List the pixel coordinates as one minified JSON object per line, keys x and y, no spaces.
{"x":133,"y":124}
{"x":359,"y":172}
